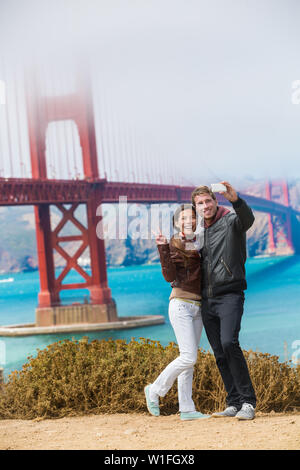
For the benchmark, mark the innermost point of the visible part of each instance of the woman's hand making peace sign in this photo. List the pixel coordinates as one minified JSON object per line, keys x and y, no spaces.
{"x":160,"y":238}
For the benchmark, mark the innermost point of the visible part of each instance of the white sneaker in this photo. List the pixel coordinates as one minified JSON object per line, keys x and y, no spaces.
{"x":246,"y":412}
{"x":153,"y":408}
{"x":192,"y":415}
{"x":153,"y":396}
{"x":229,"y":412}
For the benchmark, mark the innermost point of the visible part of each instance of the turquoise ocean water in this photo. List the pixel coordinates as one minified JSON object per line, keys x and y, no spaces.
{"x":271,"y":320}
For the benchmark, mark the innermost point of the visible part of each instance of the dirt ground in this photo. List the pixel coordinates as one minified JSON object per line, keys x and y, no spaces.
{"x":141,"y":431}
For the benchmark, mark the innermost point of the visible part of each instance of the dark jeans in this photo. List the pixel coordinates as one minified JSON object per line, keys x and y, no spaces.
{"x":221,"y":317}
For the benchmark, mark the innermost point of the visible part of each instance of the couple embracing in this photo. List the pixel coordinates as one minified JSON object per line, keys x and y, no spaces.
{"x":208,"y":282}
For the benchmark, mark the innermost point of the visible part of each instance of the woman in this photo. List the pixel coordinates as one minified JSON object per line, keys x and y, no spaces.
{"x":180,"y":263}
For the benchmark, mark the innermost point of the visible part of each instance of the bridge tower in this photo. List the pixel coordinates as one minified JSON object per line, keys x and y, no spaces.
{"x":280,"y":232}
{"x":41,"y":110}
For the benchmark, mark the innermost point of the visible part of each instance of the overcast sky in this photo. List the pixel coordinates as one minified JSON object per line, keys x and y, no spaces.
{"x":205,"y":84}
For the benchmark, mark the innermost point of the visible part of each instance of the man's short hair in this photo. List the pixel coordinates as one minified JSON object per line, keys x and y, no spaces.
{"x":202,"y":190}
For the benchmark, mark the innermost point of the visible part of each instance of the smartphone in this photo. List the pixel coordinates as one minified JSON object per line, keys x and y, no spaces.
{"x":218,"y":188}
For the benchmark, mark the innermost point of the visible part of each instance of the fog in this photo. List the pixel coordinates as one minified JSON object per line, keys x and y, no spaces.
{"x":206,"y":86}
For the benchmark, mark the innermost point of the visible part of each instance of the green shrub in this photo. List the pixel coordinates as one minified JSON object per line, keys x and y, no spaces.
{"x":80,"y":377}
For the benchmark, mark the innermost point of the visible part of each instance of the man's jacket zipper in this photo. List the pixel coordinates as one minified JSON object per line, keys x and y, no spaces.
{"x":225,"y":266}
{"x":209,"y":264}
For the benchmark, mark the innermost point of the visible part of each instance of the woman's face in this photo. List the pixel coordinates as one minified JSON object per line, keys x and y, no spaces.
{"x":187,"y":221}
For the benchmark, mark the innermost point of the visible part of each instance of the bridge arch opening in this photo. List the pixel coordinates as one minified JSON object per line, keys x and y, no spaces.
{"x":63,"y":150}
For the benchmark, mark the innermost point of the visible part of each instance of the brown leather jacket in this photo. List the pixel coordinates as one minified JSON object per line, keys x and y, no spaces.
{"x":180,"y":266}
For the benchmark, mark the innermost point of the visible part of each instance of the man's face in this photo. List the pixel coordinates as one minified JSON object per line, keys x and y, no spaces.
{"x":206,"y":206}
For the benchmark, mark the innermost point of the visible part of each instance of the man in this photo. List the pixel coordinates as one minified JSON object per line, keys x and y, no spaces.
{"x":223,"y":285}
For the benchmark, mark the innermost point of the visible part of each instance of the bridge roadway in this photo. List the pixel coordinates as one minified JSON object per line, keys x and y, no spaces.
{"x":18,"y":191}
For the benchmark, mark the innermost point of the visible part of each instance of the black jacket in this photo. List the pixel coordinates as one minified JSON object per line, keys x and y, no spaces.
{"x":224,"y":252}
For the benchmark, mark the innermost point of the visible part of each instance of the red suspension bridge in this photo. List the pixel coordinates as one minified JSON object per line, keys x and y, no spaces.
{"x":49,"y":157}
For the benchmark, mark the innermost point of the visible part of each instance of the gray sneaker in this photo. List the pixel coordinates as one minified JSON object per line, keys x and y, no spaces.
{"x":246,"y":412}
{"x":229,"y":412}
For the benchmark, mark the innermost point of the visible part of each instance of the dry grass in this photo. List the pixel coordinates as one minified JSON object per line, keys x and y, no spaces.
{"x":80,"y":377}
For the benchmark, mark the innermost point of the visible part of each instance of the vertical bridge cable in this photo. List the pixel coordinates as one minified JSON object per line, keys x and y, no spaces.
{"x":46,"y":90}
{"x":126,"y":151}
{"x":78,"y":174}
{"x":123,"y":133}
{"x":99,"y":129}
{"x":10,"y":169}
{"x":129,"y":147}
{"x":116,"y":156}
{"x":2,"y":105}
{"x":134,"y":158}
{"x":63,"y":124}
{"x":106,"y":139}
{"x":157,"y":166}
{"x":18,"y":130}
{"x":61,"y":130}
{"x":24,"y":130}
{"x":42,"y":90}
{"x":22,"y":139}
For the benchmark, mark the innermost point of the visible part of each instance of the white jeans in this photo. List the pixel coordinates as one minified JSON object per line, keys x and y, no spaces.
{"x":187,"y":323}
